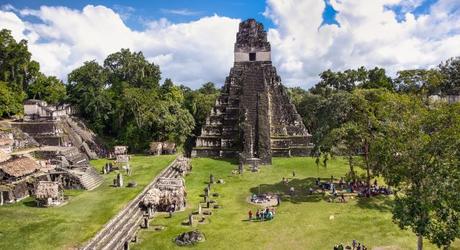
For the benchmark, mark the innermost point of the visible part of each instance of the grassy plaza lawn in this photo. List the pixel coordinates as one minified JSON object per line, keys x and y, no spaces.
{"x":305,"y":222}
{"x":24,"y":226}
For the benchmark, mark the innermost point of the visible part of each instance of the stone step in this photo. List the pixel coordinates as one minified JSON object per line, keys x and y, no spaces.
{"x":121,"y":229}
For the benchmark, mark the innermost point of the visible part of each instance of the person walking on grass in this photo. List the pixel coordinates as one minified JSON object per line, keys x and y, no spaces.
{"x":250,"y":215}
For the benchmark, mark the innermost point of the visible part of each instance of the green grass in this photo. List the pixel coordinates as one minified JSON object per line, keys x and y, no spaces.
{"x":301,"y":223}
{"x":24,"y":226}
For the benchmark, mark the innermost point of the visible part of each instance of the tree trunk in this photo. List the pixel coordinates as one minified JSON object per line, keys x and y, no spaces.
{"x":352,"y":171}
{"x":419,"y":242}
{"x":368,"y":171}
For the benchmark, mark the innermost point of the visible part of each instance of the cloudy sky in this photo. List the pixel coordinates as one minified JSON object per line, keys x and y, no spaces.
{"x":192,"y":41}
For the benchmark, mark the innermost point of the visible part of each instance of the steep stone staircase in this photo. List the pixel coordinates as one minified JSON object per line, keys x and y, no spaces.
{"x":119,"y":231}
{"x":88,"y":177}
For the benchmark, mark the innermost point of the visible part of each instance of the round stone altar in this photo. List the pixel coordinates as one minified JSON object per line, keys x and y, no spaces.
{"x":266,"y":200}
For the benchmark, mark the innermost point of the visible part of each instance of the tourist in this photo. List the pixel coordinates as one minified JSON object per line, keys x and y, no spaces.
{"x":342,"y":196}
{"x":257,"y":214}
{"x":170,"y":211}
{"x":269,"y":215}
{"x":318,"y":181}
{"x":250,"y":215}
{"x":291,"y":191}
{"x":310,"y":190}
{"x":293,"y":173}
{"x":353,"y":244}
{"x":278,"y":200}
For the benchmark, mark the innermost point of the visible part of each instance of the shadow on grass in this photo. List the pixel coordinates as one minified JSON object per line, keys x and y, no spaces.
{"x":300,"y":186}
{"x":30,"y":203}
{"x":381,"y":203}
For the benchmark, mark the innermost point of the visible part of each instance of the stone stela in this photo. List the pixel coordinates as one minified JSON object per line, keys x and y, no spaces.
{"x":253,"y":118}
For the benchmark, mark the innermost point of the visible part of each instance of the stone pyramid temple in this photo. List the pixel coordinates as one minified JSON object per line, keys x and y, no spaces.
{"x":253,"y":117}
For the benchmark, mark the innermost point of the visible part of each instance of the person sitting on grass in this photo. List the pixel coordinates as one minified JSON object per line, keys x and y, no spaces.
{"x":285,"y":181}
{"x":269,"y":215}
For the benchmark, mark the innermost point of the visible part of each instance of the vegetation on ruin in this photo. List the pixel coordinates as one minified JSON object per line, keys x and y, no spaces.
{"x":301,"y":223}
{"x":25,"y":226}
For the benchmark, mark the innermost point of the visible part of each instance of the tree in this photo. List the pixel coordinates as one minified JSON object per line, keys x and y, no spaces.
{"x":420,"y":82}
{"x":17,"y":71}
{"x":420,"y":158}
{"x":377,"y":78}
{"x":361,"y":130}
{"x":10,"y":101}
{"x":350,"y":80}
{"x":331,"y":113}
{"x":450,"y":71}
{"x":128,"y":68}
{"x":87,"y":91}
{"x":47,"y":88}
{"x":347,"y":140}
{"x":296,"y":95}
{"x":308,"y":109}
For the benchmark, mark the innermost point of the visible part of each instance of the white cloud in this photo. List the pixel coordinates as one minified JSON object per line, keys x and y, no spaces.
{"x":189,"y":53}
{"x":369,"y":34}
{"x":199,"y":51}
{"x":180,"y":12}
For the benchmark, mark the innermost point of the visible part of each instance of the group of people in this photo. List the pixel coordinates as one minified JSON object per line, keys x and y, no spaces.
{"x":374,"y":190}
{"x":354,"y":246}
{"x":264,"y":214}
{"x":359,"y":187}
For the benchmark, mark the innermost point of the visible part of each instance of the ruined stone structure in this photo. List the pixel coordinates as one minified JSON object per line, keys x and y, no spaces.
{"x":165,"y":148}
{"x":253,"y":117}
{"x":47,"y":145}
{"x":38,"y":109}
{"x":49,"y":193}
{"x":16,"y":177}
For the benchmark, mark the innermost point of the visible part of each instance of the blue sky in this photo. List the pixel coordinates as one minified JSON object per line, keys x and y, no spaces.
{"x":192,"y":40}
{"x":138,"y":11}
